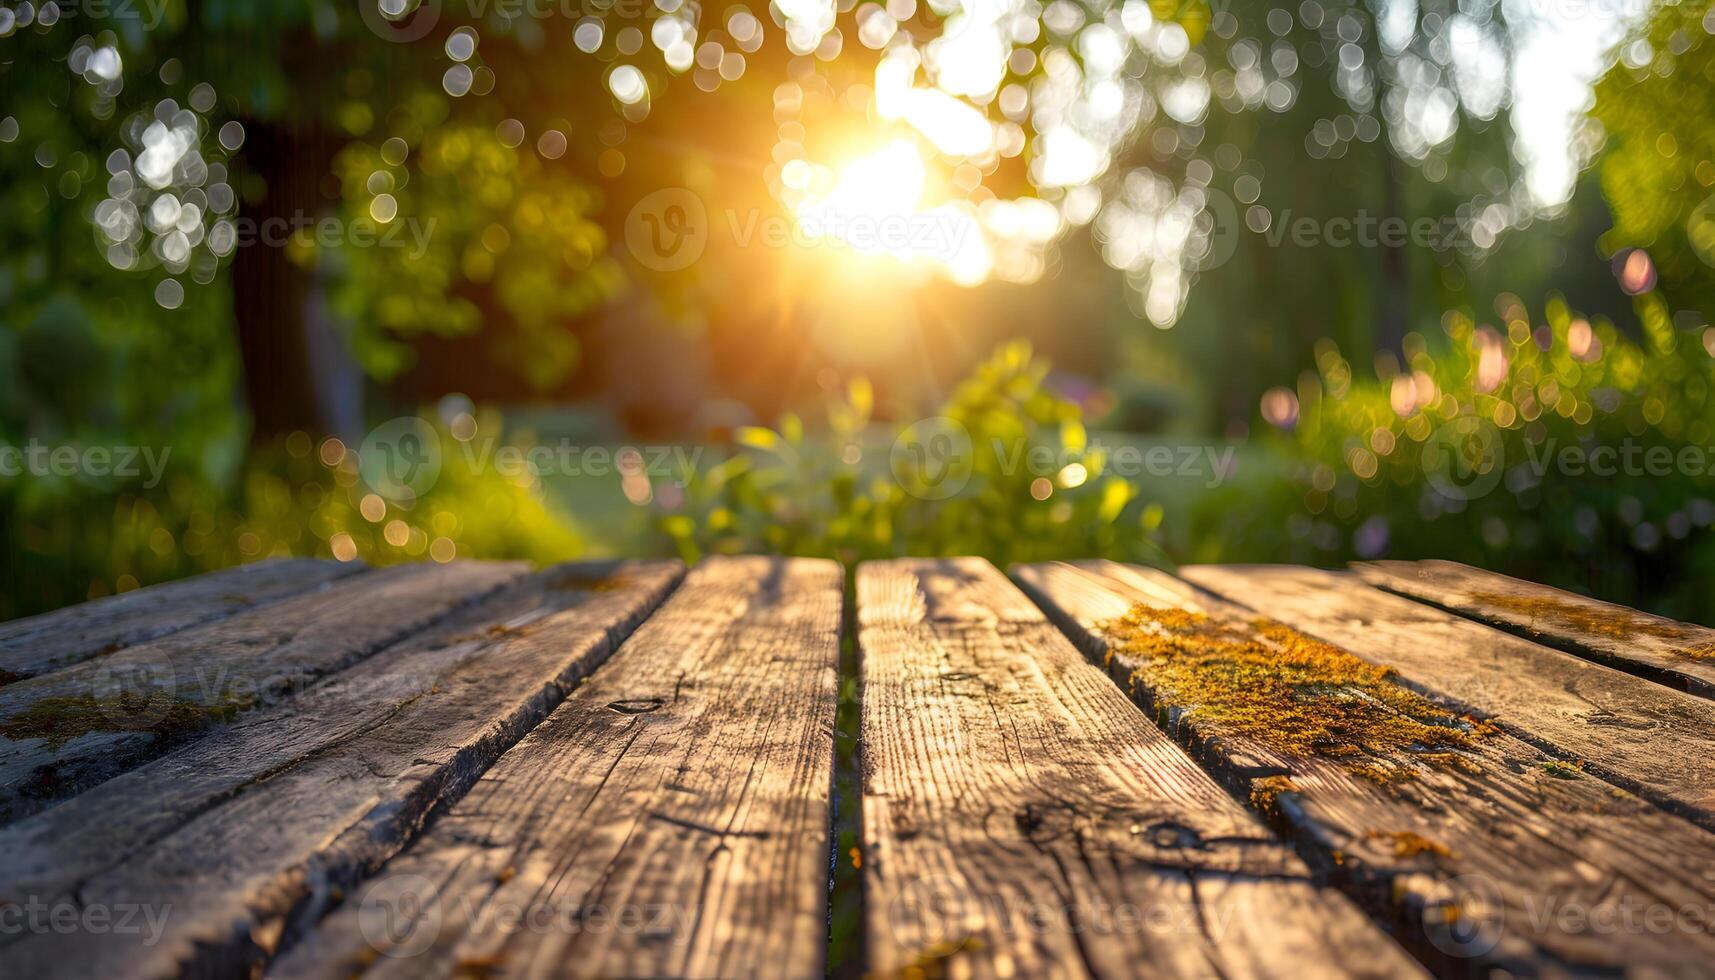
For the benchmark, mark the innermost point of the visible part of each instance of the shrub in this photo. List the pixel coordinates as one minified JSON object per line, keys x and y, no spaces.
{"x":1566,"y":452}
{"x":957,"y":483}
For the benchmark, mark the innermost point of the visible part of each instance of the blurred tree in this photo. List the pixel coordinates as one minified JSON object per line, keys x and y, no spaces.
{"x":1658,"y":169}
{"x":297,"y":94}
{"x":1355,"y":171}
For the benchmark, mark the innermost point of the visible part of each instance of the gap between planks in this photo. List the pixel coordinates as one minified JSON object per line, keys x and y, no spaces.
{"x":1023,"y":818}
{"x":48,"y":642}
{"x":671,"y":817}
{"x":1642,"y":737}
{"x":1679,"y":655}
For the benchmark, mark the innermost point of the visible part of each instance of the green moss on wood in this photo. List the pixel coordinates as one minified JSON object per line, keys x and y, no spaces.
{"x":61,"y":719}
{"x":1294,"y":694}
{"x":1616,"y":624}
{"x":580,"y":581}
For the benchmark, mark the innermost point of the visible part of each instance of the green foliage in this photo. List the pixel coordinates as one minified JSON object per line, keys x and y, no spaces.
{"x":1485,"y":448}
{"x":1331,"y":154}
{"x":88,"y":357}
{"x":1658,"y":169}
{"x":293,"y":498}
{"x":300,"y":500}
{"x":484,"y":237}
{"x":859,"y":492}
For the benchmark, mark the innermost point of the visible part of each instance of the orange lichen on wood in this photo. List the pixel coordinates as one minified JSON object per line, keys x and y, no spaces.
{"x":1267,"y":791}
{"x":1290,"y":692}
{"x":1618,"y":624}
{"x":1406,"y":844}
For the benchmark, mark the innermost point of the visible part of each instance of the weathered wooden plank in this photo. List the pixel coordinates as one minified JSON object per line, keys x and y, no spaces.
{"x":67,"y":636}
{"x":669,"y":819}
{"x":1640,"y":736}
{"x":67,"y":730}
{"x":1679,"y":655}
{"x":1022,"y":817}
{"x":1543,"y":870}
{"x":244,"y":834}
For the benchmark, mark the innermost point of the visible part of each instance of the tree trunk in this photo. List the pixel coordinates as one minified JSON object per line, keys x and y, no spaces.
{"x":270,"y":293}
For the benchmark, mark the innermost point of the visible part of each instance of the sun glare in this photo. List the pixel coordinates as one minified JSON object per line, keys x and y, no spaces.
{"x":884,"y":186}
{"x":876,"y":207}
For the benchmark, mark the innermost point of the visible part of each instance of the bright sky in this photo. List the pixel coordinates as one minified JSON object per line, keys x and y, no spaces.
{"x":1562,"y":49}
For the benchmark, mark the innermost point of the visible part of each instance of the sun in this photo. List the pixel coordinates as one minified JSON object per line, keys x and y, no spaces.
{"x":878,"y":205}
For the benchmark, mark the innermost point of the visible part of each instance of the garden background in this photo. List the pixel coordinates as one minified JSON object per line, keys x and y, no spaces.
{"x":1165,"y":281}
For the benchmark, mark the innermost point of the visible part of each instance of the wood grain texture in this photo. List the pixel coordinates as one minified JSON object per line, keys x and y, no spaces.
{"x":1023,"y":818}
{"x":1549,"y":875}
{"x":1641,"y":736}
{"x":255,"y":831}
{"x":77,"y":633}
{"x":65,"y":731}
{"x":669,"y":819}
{"x":1679,"y":655}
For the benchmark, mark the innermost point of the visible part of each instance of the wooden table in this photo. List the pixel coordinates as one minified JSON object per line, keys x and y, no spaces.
{"x":312,"y":769}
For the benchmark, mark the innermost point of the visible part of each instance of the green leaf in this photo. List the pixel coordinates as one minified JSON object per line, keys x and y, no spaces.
{"x":1152,"y":516}
{"x":1116,"y":493}
{"x":1073,"y":436}
{"x":757,"y":437}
